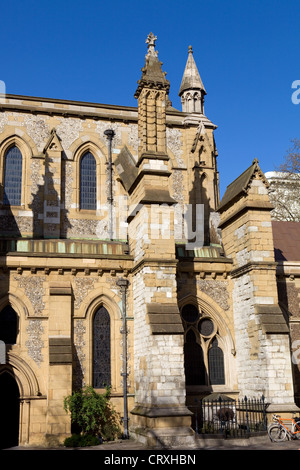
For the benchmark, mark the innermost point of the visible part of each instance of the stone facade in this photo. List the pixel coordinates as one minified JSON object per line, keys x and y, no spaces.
{"x":158,"y":226}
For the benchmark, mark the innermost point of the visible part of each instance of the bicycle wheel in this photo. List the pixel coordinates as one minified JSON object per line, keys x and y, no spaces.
{"x":296,"y":432}
{"x":277,"y":433}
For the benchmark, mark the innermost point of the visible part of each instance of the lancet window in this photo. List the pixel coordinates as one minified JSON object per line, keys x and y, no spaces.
{"x":12,"y":177}
{"x":88,"y":182}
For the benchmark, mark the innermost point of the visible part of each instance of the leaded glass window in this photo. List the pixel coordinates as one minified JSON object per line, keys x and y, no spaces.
{"x":101,"y":349}
{"x":216,"y":364}
{"x":203,"y":358}
{"x":12,"y":177}
{"x":88,"y":183}
{"x":8,"y":325}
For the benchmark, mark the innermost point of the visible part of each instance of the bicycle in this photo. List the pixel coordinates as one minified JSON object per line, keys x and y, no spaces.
{"x":282,"y":429}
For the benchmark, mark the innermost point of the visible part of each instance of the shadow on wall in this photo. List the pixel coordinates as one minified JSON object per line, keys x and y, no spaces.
{"x":194,"y":363}
{"x":288,"y":297}
{"x":50,"y":216}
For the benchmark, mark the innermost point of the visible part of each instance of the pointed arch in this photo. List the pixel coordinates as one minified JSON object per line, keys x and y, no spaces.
{"x":101,"y":332}
{"x":216,"y":363}
{"x":215,"y":339}
{"x":9,"y":325}
{"x":102,"y":305}
{"x":92,"y":177}
{"x":208,"y":305}
{"x":24,"y":375}
{"x":81,"y":145}
{"x":21,"y":306}
{"x":15,"y":153}
{"x":18,"y":301}
{"x":87,"y":182}
{"x":12,"y":180}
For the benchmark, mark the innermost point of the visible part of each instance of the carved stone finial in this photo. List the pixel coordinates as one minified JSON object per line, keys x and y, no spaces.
{"x":151,"y":44}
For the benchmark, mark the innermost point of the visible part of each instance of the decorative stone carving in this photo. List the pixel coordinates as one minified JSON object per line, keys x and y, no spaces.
{"x":34,"y":343}
{"x":34,"y":291}
{"x":38,"y":129}
{"x":217,"y":290}
{"x":68,"y":184}
{"x":68,"y":131}
{"x":3,"y":121}
{"x":133,"y":140}
{"x":82,"y":286}
{"x":174,"y":143}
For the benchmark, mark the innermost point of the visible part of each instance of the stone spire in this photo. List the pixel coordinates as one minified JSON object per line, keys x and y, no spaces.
{"x":152,"y":96}
{"x":152,"y":74}
{"x":192,"y":90}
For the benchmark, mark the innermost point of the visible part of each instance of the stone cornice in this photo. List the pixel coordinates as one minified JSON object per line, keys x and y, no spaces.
{"x":251,"y":266}
{"x":157,"y":262}
{"x":247,"y":205}
{"x":69,"y":108}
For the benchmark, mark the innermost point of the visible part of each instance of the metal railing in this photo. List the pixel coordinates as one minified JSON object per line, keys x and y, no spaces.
{"x":229,"y":417}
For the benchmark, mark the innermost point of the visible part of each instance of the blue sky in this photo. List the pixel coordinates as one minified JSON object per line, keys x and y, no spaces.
{"x":247,"y":53}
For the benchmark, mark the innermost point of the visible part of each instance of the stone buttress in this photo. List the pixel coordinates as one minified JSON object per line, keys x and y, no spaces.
{"x":160,"y":414}
{"x":262,"y":334}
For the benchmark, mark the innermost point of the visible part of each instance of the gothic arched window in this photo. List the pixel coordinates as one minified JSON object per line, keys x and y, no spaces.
{"x":216,"y":364}
{"x":88,"y":182}
{"x":8,"y":325}
{"x":101,"y":349}
{"x":12,"y":177}
{"x":203,"y":358}
{"x":193,"y":360}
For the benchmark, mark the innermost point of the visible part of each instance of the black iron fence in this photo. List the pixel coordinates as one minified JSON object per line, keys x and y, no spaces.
{"x":229,"y":417}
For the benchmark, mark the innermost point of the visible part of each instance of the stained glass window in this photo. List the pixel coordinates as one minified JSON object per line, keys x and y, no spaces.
{"x":216,"y":364}
{"x":8,"y":325}
{"x":12,"y":177}
{"x":101,"y":349}
{"x":88,"y":184}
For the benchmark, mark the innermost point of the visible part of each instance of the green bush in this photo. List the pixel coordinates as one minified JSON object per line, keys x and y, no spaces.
{"x":78,"y":440}
{"x":93,"y":415}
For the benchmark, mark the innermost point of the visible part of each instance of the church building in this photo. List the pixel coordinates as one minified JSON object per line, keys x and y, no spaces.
{"x":121,"y":266}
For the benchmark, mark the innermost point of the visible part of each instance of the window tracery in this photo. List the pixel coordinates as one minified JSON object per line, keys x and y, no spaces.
{"x":203,"y":358}
{"x":88,"y":182}
{"x":101,"y":348}
{"x":12,"y":177}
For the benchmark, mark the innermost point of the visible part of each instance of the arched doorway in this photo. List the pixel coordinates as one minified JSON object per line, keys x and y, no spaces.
{"x":9,"y":411}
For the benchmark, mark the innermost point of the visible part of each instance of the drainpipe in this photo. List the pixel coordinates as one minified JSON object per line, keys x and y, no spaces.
{"x":123,"y":284}
{"x":110,"y":134}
